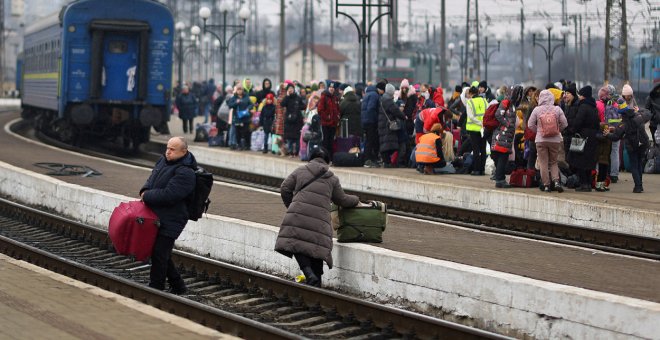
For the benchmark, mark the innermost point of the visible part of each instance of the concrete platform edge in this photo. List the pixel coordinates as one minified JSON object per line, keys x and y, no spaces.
{"x":503,"y":302}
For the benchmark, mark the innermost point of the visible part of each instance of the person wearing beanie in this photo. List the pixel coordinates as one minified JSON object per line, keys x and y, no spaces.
{"x":428,"y":152}
{"x":369,"y":123}
{"x":475,"y":107}
{"x":627,"y":94}
{"x":587,"y":125}
{"x":633,"y":131}
{"x":349,"y":111}
{"x":572,"y":89}
{"x":586,"y":92}
{"x":548,"y":144}
{"x":389,"y":89}
{"x":404,"y":83}
{"x":603,"y":101}
{"x":305,"y":232}
{"x":571,"y":103}
{"x":388,"y":138}
{"x":267,"y":117}
{"x":381,"y":87}
{"x":328,"y":110}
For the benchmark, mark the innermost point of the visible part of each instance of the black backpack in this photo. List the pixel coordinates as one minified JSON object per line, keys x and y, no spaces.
{"x":198,"y":202}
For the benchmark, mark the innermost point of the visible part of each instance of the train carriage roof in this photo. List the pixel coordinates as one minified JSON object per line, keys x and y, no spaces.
{"x":51,"y":20}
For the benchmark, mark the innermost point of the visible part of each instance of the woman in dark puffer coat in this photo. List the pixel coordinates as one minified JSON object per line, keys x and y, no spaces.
{"x":389,"y":140}
{"x":350,"y":108}
{"x":502,"y":143}
{"x":306,"y":231}
{"x":586,"y":124}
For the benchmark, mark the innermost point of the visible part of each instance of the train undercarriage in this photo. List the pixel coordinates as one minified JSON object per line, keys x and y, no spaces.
{"x":104,"y":124}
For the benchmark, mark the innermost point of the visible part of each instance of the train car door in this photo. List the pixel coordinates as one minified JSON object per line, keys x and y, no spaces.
{"x":119,"y":79}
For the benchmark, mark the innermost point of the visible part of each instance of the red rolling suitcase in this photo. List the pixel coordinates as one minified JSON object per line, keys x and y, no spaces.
{"x":132,"y":229}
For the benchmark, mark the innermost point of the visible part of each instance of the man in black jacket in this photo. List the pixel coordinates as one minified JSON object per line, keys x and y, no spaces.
{"x":171,"y":182}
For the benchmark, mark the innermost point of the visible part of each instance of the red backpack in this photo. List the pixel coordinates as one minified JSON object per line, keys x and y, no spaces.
{"x":490,"y":122}
{"x":548,"y":124}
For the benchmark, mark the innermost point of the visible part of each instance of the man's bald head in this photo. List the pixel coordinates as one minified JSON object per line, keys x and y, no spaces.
{"x":177,"y":147}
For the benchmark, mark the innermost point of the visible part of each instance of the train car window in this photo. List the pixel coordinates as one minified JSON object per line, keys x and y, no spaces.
{"x":403,"y":62}
{"x":643,"y":68}
{"x":118,"y":47}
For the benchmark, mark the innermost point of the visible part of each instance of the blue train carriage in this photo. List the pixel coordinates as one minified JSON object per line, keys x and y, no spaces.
{"x":100,"y":68}
{"x":645,"y":73}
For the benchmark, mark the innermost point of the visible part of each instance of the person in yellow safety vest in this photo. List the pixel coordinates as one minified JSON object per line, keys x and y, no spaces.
{"x":475,"y":108}
{"x":428,"y":153}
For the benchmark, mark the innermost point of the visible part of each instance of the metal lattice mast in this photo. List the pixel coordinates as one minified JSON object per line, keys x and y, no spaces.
{"x":616,"y":42}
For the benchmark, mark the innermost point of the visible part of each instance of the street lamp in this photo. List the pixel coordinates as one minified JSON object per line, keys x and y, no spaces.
{"x":550,"y":51}
{"x":364,"y":32}
{"x":223,"y":43}
{"x":461,"y":60}
{"x":194,"y":31}
{"x":486,"y":55}
{"x":475,"y":55}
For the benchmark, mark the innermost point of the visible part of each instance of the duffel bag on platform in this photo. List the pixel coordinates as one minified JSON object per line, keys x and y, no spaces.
{"x":362,"y":224}
{"x":522,"y":178}
{"x":133,"y":228}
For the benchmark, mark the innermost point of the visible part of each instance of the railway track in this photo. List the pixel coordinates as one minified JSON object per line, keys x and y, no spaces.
{"x":608,"y":241}
{"x":228,"y":298}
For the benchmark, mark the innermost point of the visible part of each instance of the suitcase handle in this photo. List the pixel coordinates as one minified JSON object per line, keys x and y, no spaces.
{"x":140,"y":220}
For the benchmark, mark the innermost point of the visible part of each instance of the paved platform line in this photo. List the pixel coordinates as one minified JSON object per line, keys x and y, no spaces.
{"x":132,"y":304}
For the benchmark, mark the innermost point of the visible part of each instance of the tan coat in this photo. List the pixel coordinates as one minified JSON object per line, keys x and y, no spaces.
{"x":306,"y":228}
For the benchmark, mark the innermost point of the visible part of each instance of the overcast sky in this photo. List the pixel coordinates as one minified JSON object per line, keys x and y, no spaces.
{"x":503,"y":14}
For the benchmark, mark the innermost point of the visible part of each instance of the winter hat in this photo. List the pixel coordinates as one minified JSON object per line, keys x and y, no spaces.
{"x":603,"y":93}
{"x":270,"y":96}
{"x":381,"y":86}
{"x":315,"y":87}
{"x":405,"y":83}
{"x":290,"y":85}
{"x":343,"y":86}
{"x":626,"y":90}
{"x":557,"y":94}
{"x":586,"y":92}
{"x":622,"y":104}
{"x":348,"y":89}
{"x":483,"y":84}
{"x":389,"y":89}
{"x":612,"y":90}
{"x":416,"y":87}
{"x":572,"y":89}
{"x":559,"y":85}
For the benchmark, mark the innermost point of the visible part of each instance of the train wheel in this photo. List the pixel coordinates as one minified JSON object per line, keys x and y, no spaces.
{"x":63,"y":131}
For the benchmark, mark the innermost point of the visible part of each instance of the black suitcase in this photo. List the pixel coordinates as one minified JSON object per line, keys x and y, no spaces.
{"x":345,"y":159}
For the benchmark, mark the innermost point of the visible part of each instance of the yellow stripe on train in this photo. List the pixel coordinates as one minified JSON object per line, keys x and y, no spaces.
{"x":39,"y":76}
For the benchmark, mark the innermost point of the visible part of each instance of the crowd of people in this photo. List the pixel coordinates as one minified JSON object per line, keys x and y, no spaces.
{"x":572,"y":137}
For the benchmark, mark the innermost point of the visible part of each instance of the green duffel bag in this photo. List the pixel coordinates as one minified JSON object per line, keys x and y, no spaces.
{"x":362,"y":224}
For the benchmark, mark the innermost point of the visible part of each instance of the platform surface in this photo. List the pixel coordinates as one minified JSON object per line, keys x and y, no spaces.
{"x":39,"y":304}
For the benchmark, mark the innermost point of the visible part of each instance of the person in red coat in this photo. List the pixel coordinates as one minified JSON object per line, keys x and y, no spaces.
{"x":328,"y":110}
{"x":439,"y":97}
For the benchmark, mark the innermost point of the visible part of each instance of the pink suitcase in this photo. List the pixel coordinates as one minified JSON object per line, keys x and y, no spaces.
{"x":132,"y":229}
